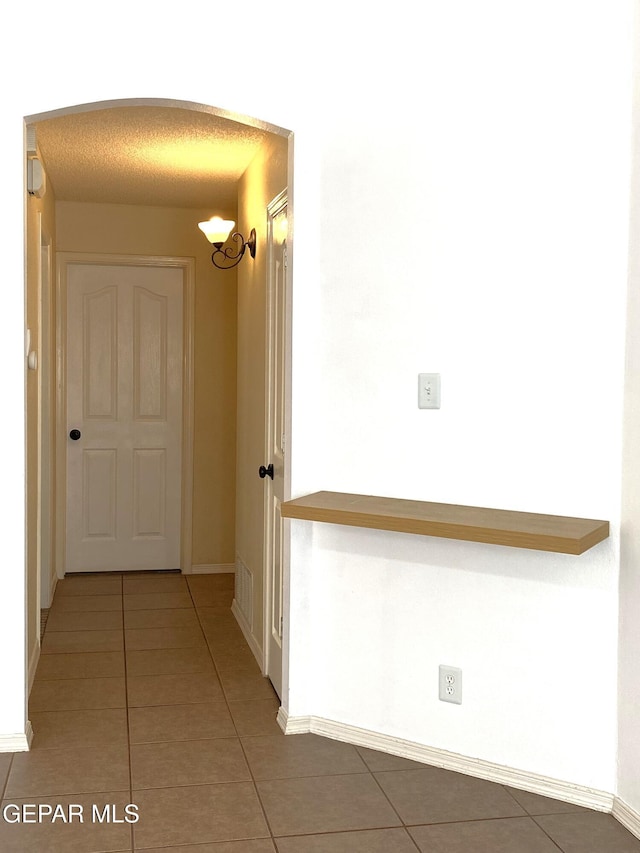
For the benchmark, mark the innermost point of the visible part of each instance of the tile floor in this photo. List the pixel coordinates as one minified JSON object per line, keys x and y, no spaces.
{"x":146,"y":693}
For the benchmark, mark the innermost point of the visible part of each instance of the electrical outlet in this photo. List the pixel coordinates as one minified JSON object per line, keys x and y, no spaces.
{"x":450,"y":682}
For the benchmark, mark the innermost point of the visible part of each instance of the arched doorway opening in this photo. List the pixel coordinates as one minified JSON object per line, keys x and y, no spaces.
{"x":125,"y":183}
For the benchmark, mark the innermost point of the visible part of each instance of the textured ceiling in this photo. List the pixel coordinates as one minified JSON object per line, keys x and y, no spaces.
{"x":147,"y":155}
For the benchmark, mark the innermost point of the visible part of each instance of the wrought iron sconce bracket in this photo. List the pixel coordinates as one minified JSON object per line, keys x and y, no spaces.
{"x":234,"y":258}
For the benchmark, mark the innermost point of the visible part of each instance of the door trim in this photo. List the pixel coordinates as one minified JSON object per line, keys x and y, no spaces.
{"x":187,"y":265}
{"x":46,"y":577}
{"x":273,"y":208}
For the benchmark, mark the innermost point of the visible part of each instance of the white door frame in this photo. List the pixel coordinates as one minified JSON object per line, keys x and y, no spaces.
{"x":273,"y":208}
{"x":187,"y":265}
{"x":46,"y":439}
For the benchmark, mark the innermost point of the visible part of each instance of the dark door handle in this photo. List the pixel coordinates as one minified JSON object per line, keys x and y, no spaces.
{"x":75,"y":434}
{"x":266,"y":472}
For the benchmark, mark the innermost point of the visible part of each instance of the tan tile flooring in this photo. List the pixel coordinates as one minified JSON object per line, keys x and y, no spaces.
{"x":147,"y":693}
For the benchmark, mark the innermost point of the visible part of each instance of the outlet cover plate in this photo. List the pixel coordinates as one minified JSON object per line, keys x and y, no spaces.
{"x":450,"y":682}
{"x":428,"y":390}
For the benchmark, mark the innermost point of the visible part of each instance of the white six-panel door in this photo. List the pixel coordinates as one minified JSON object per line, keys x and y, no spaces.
{"x":275,"y":555}
{"x":124,"y":353}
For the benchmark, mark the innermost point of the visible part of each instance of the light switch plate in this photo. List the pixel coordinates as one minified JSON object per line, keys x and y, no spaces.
{"x":428,"y":390}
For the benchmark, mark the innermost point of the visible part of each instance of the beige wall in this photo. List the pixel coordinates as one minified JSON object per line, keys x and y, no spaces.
{"x":127,"y":229}
{"x":40,"y":214}
{"x":265,"y":177}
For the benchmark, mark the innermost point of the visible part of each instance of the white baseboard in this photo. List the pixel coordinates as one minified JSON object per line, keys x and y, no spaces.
{"x":557,"y":789}
{"x":214,"y":569}
{"x":282,"y":719}
{"x":19,"y":742}
{"x":246,"y":630}
{"x":627,"y":816}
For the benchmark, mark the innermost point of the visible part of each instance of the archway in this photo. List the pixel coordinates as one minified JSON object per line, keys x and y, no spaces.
{"x":123,"y":179}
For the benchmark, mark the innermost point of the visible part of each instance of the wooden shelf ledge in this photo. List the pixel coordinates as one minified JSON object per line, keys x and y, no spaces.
{"x":556,"y":533}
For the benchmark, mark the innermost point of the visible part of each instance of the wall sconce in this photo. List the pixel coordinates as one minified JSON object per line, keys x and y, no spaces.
{"x":217,"y":231}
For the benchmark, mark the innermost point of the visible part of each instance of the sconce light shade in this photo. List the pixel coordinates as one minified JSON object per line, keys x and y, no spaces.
{"x":217,"y":231}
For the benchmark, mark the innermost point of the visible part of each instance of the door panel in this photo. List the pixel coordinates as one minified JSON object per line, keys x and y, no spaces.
{"x":99,"y":494}
{"x":124,"y":394}
{"x":150,"y":355}
{"x":99,"y":331}
{"x":149,"y":490}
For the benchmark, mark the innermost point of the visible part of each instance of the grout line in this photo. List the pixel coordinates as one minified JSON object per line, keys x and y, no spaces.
{"x":542,"y":829}
{"x":470,"y":819}
{"x":126,"y":708}
{"x":411,"y":838}
{"x":530,"y":816}
{"x":226,"y":700}
{"x":6,"y":781}
{"x":385,"y":795}
{"x":348,"y":832}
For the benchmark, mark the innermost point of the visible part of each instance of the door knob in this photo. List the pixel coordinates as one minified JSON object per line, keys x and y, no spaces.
{"x":266,"y":472}
{"x":75,"y":434}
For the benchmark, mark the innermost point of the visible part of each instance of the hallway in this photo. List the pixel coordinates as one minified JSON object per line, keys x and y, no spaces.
{"x":147,"y":694}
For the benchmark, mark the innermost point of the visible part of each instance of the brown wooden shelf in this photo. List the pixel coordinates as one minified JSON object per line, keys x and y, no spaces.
{"x":557,"y":533}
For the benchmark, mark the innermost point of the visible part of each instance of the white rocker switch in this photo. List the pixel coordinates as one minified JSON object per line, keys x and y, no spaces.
{"x":428,"y":390}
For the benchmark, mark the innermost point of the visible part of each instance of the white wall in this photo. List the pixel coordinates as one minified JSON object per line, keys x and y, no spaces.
{"x":506,"y":273}
{"x":495,"y":138}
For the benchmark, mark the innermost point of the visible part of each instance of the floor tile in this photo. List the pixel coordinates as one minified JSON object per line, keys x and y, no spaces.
{"x":89,"y":585}
{"x":513,"y":835}
{"x":82,"y":641}
{"x":367,"y":841}
{"x":84,"y":620}
{"x":5,"y":763}
{"x":173,"y":689}
{"x":156,"y":600}
{"x":238,"y":657}
{"x":74,"y":603}
{"x":325,"y":804}
{"x":180,"y":722}
{"x":433,"y":795}
{"x":163,"y":618}
{"x":80,"y":665}
{"x":217,"y":598}
{"x":277,"y":757}
{"x":224,"y":640}
{"x":190,"y":762}
{"x":169,"y":661}
{"x":219,"y":621}
{"x":43,"y":772}
{"x":255,"y":845}
{"x":215,"y":620}
{"x":56,"y":729}
{"x":146,"y":583}
{"x":222,"y":580}
{"x":163,"y":638}
{"x":202,"y":723}
{"x":534,"y":804}
{"x":58,"y":837}
{"x":384,"y":761}
{"x":207,"y":813}
{"x":588,"y":832}
{"x":77,"y":694}
{"x":237,"y":664}
{"x":238,"y":685}
{"x":256,"y":717}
